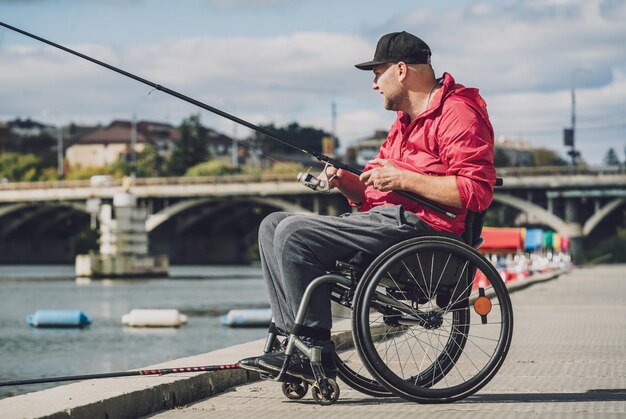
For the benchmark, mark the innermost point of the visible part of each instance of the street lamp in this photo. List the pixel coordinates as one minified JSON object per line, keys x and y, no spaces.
{"x":569,"y":134}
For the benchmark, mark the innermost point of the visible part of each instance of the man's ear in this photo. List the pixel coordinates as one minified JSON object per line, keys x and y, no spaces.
{"x":402,"y":70}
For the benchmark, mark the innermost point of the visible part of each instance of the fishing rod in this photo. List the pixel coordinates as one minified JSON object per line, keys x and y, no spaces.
{"x":319,"y":156}
{"x":152,"y":371}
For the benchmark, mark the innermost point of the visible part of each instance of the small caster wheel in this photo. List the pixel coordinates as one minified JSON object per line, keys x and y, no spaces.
{"x":326,"y":392}
{"x":295,"y":391}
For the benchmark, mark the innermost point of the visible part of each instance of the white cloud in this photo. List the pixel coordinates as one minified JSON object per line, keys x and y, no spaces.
{"x":230,"y":4}
{"x":522,"y":55}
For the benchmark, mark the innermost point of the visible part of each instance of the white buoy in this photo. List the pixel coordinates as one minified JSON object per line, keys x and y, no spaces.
{"x":154,"y":318}
{"x":254,"y":317}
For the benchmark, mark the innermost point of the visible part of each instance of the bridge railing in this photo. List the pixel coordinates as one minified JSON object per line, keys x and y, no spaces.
{"x":561,"y":170}
{"x":181,"y":180}
{"x":231,"y":179}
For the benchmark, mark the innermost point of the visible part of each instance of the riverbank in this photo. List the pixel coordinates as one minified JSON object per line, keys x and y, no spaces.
{"x":140,"y":396}
{"x":202,"y":293}
{"x":566,"y":361}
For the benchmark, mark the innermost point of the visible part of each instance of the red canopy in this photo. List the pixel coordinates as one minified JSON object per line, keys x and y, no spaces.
{"x":502,"y":239}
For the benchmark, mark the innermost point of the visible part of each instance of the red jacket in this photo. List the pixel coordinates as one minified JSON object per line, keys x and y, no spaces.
{"x":452,"y":137}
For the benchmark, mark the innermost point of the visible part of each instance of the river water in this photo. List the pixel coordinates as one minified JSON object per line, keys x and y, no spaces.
{"x":203,"y":293}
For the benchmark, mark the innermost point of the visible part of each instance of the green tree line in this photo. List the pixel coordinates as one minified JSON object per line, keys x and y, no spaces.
{"x":189,"y":157}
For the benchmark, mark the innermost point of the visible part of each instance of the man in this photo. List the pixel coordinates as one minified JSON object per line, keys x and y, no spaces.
{"x":440,"y":147}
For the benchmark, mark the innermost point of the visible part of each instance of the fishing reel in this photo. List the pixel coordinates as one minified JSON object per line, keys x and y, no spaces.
{"x":321,"y":183}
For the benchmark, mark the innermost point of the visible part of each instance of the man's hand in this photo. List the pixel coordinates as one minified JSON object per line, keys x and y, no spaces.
{"x":384,"y":177}
{"x":387,"y":177}
{"x":348,"y":184}
{"x":337,"y":173}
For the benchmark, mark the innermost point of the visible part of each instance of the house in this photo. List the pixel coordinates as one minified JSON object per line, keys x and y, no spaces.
{"x":105,"y":145}
{"x":516,"y":153}
{"x":219,"y":145}
{"x":28,"y":128}
{"x":29,"y":137}
{"x":367,"y":148}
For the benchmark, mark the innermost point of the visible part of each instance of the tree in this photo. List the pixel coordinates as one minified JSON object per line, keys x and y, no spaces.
{"x":191,"y":148}
{"x":308,"y":138}
{"x":545,"y":157}
{"x":211,"y":168}
{"x":610,"y":158}
{"x":16,"y":167}
{"x":149,"y":163}
{"x":500,"y":159}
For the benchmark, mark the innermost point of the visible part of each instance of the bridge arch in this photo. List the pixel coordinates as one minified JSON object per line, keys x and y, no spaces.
{"x":601,"y":214}
{"x":157,"y":219}
{"x":43,"y":232}
{"x":551,"y":220}
{"x":45,"y":214}
{"x":214,"y":229}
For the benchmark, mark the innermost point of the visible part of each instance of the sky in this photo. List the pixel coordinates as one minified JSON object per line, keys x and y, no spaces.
{"x":278,"y":61}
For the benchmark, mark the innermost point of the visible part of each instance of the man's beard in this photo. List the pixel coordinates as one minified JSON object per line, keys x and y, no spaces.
{"x":393,"y":103}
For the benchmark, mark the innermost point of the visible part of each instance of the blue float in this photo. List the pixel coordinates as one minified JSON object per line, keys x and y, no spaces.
{"x":58,"y":318}
{"x":254,"y":317}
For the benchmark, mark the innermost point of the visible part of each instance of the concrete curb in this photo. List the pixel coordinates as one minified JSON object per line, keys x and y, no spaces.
{"x":133,"y":397}
{"x":521,"y":284}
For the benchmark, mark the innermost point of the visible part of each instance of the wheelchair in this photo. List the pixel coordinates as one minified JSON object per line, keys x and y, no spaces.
{"x":429,"y":320}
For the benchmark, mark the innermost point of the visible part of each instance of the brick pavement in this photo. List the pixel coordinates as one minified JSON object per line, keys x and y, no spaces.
{"x":568,"y":359}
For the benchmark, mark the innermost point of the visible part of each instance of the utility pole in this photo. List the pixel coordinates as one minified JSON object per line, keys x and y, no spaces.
{"x":133,"y":143}
{"x":235,"y":148}
{"x":573,"y":150}
{"x":60,"y":165}
{"x":334,"y":125}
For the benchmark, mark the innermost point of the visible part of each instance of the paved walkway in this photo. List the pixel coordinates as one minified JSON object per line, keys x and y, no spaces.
{"x":567,"y":360}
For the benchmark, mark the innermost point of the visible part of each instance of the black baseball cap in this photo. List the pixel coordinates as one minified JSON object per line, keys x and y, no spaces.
{"x":398,"y":46}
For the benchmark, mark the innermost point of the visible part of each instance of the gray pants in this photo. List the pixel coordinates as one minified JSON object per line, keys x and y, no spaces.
{"x":295,"y":249}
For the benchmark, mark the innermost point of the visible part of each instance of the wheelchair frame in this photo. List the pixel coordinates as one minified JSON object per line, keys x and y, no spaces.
{"x":363,"y":297}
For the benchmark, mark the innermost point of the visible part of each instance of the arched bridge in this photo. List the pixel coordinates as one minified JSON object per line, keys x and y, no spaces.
{"x":215,"y":218}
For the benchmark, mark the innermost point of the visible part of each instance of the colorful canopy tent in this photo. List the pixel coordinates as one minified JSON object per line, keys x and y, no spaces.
{"x":533,"y":239}
{"x":548,"y":239}
{"x":502,"y":240}
{"x":564,"y":244}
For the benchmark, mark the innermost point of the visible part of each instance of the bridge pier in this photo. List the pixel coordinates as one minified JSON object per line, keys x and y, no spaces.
{"x":572,"y":218}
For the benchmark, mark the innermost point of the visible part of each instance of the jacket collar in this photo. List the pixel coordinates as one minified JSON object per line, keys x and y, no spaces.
{"x":448,"y":85}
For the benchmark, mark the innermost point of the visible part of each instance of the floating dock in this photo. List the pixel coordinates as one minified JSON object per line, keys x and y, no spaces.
{"x":123,"y":243}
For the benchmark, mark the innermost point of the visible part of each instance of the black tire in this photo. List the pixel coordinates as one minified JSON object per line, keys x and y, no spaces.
{"x":295,"y":391}
{"x":331,"y":390}
{"x":422,"y":328}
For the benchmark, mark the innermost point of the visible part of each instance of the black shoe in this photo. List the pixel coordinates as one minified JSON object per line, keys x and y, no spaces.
{"x":252,"y":364}
{"x":299,"y":366}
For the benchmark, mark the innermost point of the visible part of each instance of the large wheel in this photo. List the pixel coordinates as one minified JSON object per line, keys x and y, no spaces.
{"x":432,"y":320}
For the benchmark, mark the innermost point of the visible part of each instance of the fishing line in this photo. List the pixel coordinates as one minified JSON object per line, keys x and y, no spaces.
{"x":319,"y":156}
{"x":151,"y":371}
